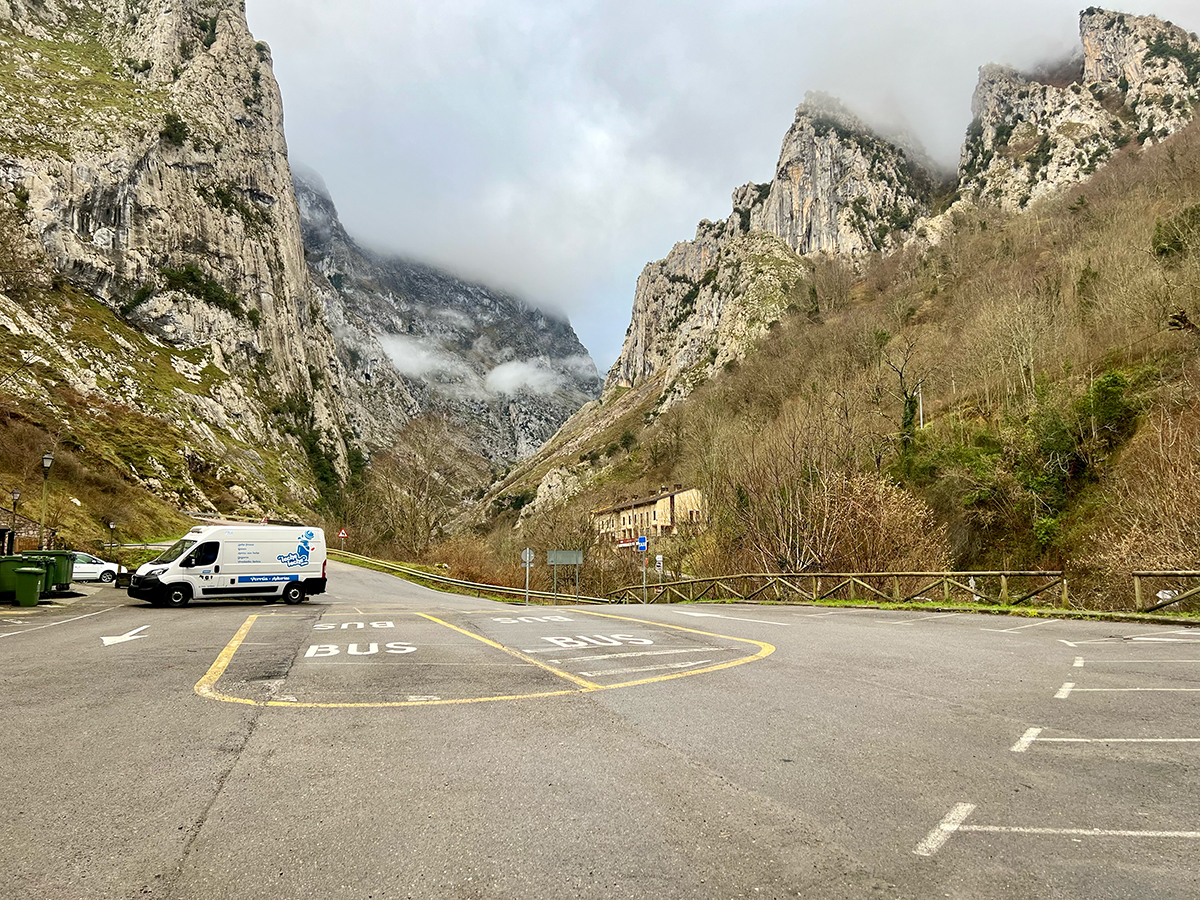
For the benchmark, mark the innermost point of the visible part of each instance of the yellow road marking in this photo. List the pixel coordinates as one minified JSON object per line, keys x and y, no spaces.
{"x":574,"y":679}
{"x":206,"y":686}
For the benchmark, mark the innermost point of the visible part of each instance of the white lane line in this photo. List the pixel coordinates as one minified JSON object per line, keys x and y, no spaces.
{"x":953,"y":822}
{"x":1078,"y":664}
{"x":1026,"y":740}
{"x":1128,"y":662}
{"x":1068,"y":643}
{"x":1065,"y":691}
{"x":61,"y":622}
{"x":700,"y":615}
{"x":639,"y":653}
{"x":1134,"y":690}
{"x":921,"y":619}
{"x":1158,"y":640}
{"x":956,"y":818}
{"x":686,"y":665}
{"x":1086,"y":832}
{"x":1066,"y":740}
{"x":1017,"y":628}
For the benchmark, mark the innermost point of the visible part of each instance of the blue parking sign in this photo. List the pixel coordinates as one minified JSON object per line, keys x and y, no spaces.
{"x":642,"y":544}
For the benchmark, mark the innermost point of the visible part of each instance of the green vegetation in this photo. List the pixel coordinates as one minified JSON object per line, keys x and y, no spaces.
{"x":174,"y":131}
{"x":192,"y":280}
{"x":96,"y":100}
{"x":1178,"y":234}
{"x":231,"y":200}
{"x":1161,"y":48}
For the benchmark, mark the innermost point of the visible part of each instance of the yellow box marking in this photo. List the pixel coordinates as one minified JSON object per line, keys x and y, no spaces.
{"x":206,"y":686}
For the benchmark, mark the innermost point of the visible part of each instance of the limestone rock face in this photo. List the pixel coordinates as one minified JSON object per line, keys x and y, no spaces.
{"x":1138,"y":81}
{"x":416,"y":340}
{"x":838,"y":189}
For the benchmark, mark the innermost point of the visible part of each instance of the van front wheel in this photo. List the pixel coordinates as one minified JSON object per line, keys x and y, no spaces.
{"x":178,"y":595}
{"x":293,"y":593}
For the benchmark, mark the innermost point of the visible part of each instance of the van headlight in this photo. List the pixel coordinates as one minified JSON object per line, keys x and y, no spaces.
{"x":154,"y":573}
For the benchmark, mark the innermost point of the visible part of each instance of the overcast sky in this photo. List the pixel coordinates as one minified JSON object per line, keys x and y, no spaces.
{"x":553,"y":148}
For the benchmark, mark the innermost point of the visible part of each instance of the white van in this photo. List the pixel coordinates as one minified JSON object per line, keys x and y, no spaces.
{"x":235,"y":561}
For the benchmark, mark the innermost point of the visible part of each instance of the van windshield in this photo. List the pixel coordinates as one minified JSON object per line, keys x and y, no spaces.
{"x":176,"y":550}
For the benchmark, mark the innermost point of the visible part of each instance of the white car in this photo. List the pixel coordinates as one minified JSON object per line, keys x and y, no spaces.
{"x":89,"y":568}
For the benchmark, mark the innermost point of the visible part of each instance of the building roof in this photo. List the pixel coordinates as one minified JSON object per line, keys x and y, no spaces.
{"x":641,"y":501}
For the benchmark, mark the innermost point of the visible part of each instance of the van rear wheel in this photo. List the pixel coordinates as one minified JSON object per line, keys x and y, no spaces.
{"x":293,"y":593}
{"x":178,"y":595}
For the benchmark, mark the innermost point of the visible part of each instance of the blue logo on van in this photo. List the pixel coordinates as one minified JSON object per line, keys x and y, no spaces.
{"x":300,"y":557}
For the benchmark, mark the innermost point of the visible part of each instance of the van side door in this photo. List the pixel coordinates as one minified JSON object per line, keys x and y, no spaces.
{"x":203,"y":565}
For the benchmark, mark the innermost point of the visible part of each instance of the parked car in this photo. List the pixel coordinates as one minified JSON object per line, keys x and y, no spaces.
{"x":89,"y":568}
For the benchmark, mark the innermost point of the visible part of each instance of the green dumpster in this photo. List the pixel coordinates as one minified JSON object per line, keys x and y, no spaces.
{"x":60,"y":567}
{"x":8,"y":575}
{"x":29,"y":585}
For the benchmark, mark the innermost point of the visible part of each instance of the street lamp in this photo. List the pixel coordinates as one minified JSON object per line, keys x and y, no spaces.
{"x":112,"y":530}
{"x":47,"y":462}
{"x":12,"y":537}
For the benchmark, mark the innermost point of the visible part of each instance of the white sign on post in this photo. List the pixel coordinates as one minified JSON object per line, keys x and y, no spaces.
{"x":658,"y":562}
{"x":527,"y":563}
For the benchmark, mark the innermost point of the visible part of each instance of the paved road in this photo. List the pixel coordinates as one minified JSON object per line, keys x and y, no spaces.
{"x":387,"y":741}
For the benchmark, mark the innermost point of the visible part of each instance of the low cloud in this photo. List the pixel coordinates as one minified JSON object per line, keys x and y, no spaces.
{"x":522,"y":375}
{"x":419,"y":360}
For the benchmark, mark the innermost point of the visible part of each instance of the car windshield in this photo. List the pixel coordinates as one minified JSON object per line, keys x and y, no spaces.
{"x":176,"y":550}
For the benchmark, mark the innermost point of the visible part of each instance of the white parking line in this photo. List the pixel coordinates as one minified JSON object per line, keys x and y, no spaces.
{"x":1134,"y":690}
{"x":640,"y":653}
{"x":686,"y":665}
{"x":60,"y":622}
{"x":1034,"y":734}
{"x":953,"y":822}
{"x":1078,"y":664}
{"x":1127,"y":662}
{"x":1017,"y":628}
{"x":955,"y":819}
{"x":1026,"y":740}
{"x":1065,"y":691}
{"x":921,"y":619}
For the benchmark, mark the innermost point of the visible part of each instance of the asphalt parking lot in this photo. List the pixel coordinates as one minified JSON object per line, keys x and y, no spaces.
{"x":384,"y":740}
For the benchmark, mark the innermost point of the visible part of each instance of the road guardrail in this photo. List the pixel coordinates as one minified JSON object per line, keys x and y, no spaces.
{"x":478,"y":589}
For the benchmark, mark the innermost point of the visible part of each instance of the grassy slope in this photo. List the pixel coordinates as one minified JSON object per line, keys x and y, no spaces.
{"x":1049,"y":380}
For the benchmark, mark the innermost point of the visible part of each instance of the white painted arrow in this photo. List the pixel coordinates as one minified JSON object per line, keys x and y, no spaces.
{"x":127,"y":636}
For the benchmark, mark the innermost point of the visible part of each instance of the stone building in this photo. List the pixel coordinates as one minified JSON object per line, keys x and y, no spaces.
{"x":662,"y":513}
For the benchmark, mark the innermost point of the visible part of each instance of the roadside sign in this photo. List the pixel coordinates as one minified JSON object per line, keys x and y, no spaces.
{"x":527,"y":557}
{"x":564,"y":557}
{"x":658,"y":562}
{"x":641,"y":545}
{"x":342,"y":534}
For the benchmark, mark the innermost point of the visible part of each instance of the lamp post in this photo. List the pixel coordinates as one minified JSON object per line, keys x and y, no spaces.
{"x":12,"y":536}
{"x":112,"y":530}
{"x":47,"y":462}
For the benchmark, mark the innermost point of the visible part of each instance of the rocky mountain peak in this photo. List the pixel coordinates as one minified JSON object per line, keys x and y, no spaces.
{"x":1138,"y":82}
{"x":415,"y":340}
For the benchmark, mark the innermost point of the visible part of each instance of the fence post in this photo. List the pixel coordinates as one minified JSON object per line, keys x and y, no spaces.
{"x":946,"y":588}
{"x":896,"y":588}
{"x":851,"y":588}
{"x":1003,"y":588}
{"x":1065,"y":602}
{"x":1137,"y":592}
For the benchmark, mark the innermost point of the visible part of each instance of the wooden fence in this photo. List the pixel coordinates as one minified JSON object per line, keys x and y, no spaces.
{"x":1164,"y":597}
{"x":999,"y":588}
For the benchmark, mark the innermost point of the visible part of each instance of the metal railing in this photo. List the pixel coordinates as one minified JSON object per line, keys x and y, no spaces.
{"x":891,"y":587}
{"x":470,"y":586}
{"x":1139,"y":597}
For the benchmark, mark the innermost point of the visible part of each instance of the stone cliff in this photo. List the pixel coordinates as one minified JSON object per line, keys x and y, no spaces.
{"x":142,"y":146}
{"x":838,"y":189}
{"x":1138,"y":81}
{"x":414,"y":339}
